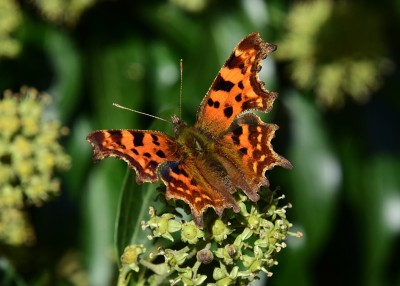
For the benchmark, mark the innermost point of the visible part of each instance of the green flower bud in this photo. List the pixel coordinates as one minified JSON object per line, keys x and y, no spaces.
{"x":219,"y":274}
{"x":191,"y":233}
{"x":220,"y":231}
{"x":222,"y":276}
{"x":228,"y":253}
{"x":130,"y":256}
{"x":164,"y":225}
{"x":253,"y":264}
{"x":175,"y":257}
{"x":225,"y":281}
{"x":189,"y":278}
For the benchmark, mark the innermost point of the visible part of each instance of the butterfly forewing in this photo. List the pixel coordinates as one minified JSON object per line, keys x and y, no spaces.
{"x":143,"y":150}
{"x":236,"y":87}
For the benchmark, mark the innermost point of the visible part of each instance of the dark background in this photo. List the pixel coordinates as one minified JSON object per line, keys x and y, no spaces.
{"x":336,"y":71}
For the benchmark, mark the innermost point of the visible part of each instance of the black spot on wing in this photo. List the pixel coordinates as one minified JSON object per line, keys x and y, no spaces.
{"x":221,"y":84}
{"x":240,"y":85}
{"x":138,"y":139}
{"x":213,"y":103}
{"x":155,"y":140}
{"x":160,"y":154}
{"x":152,"y":165}
{"x":193,"y":182}
{"x":148,"y":155}
{"x":116,"y":136}
{"x":238,"y":97}
{"x":243,"y":150}
{"x":238,"y":131}
{"x":236,"y":134}
{"x":183,"y":172}
{"x":135,"y":151}
{"x":228,"y":111}
{"x":234,"y":62}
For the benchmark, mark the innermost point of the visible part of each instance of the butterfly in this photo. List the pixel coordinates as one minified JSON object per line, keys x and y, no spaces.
{"x":228,"y":148}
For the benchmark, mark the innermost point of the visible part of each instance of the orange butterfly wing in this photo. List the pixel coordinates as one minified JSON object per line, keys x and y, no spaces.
{"x":143,"y":150}
{"x":185,"y":182}
{"x":225,"y":115}
{"x":236,"y":88}
{"x":251,"y":138}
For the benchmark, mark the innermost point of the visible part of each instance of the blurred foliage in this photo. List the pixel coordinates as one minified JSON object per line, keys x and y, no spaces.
{"x":325,"y":54}
{"x":10,"y":19}
{"x":61,"y":11}
{"x":30,"y":155}
{"x":336,"y":71}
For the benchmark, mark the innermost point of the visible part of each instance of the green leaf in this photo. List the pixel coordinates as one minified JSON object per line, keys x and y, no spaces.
{"x":99,"y":211}
{"x":9,"y":275}
{"x":66,"y":61}
{"x":379,"y":213}
{"x":81,"y":152}
{"x":133,"y":207}
{"x":313,"y":188}
{"x":317,"y":175}
{"x":117,"y":76}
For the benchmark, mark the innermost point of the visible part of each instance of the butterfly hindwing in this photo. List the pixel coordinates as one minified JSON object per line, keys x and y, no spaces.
{"x":185,"y":182}
{"x":251,"y":138}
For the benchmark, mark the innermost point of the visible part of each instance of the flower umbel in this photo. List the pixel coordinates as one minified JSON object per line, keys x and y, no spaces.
{"x":336,"y":49}
{"x":64,"y":12}
{"x":238,"y":247}
{"x":29,"y":157}
{"x":10,"y":20}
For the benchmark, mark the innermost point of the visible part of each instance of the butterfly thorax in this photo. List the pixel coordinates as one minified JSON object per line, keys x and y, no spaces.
{"x":199,"y":151}
{"x":192,"y":141}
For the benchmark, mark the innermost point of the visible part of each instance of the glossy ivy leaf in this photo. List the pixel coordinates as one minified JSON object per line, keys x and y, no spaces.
{"x":117,"y":76}
{"x":134,"y":202}
{"x":133,"y":208}
{"x":378,"y":207}
{"x":316,"y":176}
{"x":100,"y":204}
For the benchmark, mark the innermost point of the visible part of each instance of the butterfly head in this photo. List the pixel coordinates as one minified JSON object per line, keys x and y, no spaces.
{"x":178,"y":124}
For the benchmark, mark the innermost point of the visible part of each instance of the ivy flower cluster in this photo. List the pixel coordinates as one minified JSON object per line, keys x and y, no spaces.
{"x":10,"y":20}
{"x":335,"y":49}
{"x":29,"y":157}
{"x":64,"y":12}
{"x":232,"y":250}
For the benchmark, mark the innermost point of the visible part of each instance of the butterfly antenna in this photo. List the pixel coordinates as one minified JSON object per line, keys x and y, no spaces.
{"x":133,"y":110}
{"x":180,"y":89}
